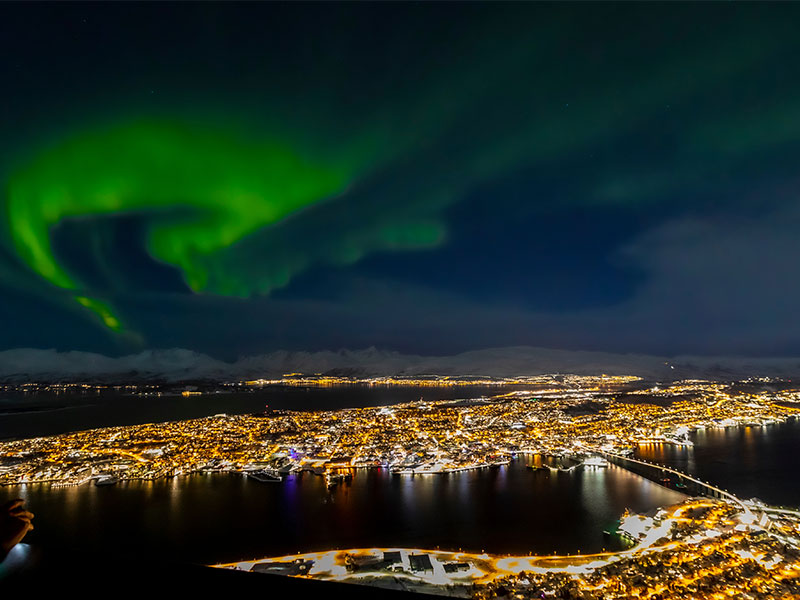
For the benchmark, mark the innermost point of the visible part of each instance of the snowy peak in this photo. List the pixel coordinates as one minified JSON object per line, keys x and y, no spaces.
{"x":172,"y":365}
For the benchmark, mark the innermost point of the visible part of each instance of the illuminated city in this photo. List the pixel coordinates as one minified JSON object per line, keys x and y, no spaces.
{"x":476,"y":299}
{"x":565,"y":422}
{"x":699,"y":548}
{"x":569,"y":417}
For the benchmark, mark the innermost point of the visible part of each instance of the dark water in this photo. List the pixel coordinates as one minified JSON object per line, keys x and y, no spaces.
{"x":761,"y":462}
{"x":211,"y":518}
{"x":50,"y":414}
{"x":218,"y":518}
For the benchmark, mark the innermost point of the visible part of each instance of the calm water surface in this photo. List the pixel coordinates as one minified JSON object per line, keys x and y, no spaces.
{"x":761,"y":462}
{"x":211,"y":518}
{"x":510,"y":509}
{"x":24,"y":416}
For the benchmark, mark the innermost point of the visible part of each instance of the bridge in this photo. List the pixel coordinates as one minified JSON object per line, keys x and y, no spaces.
{"x":704,"y":487}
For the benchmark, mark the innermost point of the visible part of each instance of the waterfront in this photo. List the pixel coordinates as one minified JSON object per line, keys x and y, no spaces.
{"x":748,"y":461}
{"x":583,"y":418}
{"x":211,"y":518}
{"x":24,"y":416}
{"x":227,"y":517}
{"x":698,"y":548}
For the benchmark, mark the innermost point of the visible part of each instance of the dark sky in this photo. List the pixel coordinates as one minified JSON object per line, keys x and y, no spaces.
{"x":429,"y":178}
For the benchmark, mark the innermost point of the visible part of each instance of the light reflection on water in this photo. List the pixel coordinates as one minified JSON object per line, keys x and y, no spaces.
{"x":510,"y":509}
{"x":217,"y":518}
{"x":749,"y":461}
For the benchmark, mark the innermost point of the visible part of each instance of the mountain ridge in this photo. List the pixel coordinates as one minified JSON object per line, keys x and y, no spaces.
{"x":176,"y":365}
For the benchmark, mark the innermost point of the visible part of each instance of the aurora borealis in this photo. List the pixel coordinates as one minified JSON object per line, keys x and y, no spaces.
{"x":421,"y":177}
{"x":228,"y":188}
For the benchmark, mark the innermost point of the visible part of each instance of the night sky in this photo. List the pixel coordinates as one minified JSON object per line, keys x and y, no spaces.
{"x":430,"y":178}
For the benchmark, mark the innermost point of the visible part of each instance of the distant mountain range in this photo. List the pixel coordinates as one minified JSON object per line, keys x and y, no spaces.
{"x":177,"y":365}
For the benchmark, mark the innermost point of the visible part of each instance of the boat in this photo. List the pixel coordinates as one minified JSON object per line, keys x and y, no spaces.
{"x":105,"y":480}
{"x":431,"y":467}
{"x":331,"y":479}
{"x":404,"y":468}
{"x":264,"y":475}
{"x":284,"y":465}
{"x":538,"y":468}
{"x":597,"y":462}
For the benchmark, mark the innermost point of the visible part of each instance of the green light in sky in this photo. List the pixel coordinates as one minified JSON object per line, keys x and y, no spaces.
{"x":102,"y":310}
{"x":203,"y":190}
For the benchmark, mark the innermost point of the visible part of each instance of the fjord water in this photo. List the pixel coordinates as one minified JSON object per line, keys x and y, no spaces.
{"x":509,"y":509}
{"x":218,"y":518}
{"x":751,"y":462}
{"x":24,"y":416}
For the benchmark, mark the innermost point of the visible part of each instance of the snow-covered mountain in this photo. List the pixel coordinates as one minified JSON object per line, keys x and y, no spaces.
{"x":184,"y":365}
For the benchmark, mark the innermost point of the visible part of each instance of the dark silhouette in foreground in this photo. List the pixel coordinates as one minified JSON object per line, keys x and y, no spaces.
{"x":53,"y":570}
{"x":15,"y":522}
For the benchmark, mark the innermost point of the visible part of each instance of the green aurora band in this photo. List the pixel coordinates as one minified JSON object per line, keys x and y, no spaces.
{"x":203,"y":188}
{"x":239,"y":214}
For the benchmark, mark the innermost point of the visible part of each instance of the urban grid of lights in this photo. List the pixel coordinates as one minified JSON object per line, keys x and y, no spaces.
{"x":715,"y":548}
